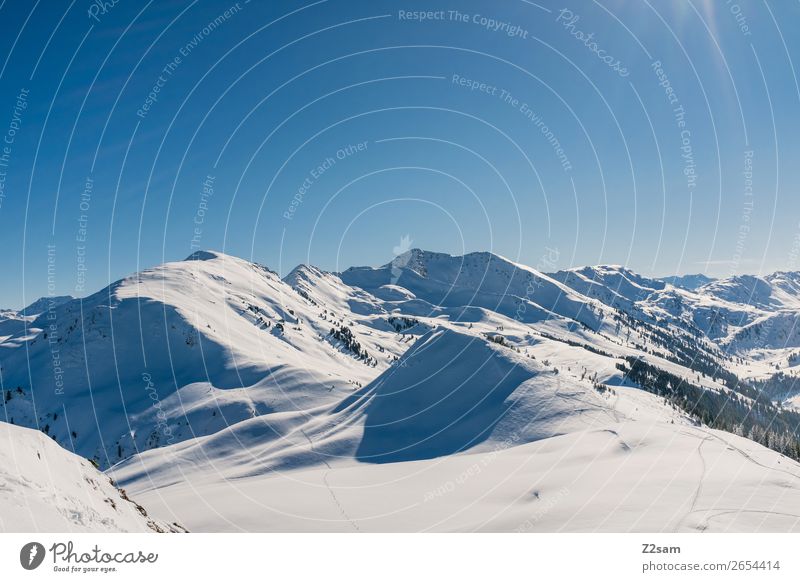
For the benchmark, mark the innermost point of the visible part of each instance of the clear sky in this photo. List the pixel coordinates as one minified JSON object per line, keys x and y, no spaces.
{"x":658,"y":135}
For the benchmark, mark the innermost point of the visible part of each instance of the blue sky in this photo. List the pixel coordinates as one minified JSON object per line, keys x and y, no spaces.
{"x":656,"y":135}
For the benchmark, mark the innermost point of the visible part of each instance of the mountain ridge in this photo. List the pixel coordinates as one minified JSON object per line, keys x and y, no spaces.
{"x":212,"y":370}
{"x":216,"y":336}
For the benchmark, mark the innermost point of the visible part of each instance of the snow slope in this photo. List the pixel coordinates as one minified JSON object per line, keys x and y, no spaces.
{"x":630,"y":476}
{"x":448,"y":393}
{"x":45,"y":488}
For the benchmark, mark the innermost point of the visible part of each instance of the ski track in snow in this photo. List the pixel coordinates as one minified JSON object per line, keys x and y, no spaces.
{"x":329,"y":488}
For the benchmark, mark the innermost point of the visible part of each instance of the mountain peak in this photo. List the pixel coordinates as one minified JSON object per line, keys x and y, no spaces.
{"x":204,"y":255}
{"x":690,"y":282}
{"x":604,"y":269}
{"x":43,"y":303}
{"x":304,"y":273}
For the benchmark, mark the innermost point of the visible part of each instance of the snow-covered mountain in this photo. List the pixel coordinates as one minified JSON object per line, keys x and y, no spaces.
{"x":13,"y":322}
{"x":184,"y":350}
{"x":456,"y":287}
{"x":200,"y":379}
{"x":45,"y":488}
{"x":689,"y":282}
{"x":44,"y":303}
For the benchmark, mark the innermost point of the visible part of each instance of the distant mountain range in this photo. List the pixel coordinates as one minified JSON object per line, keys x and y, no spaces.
{"x":690,"y":282}
{"x":198,"y":373}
